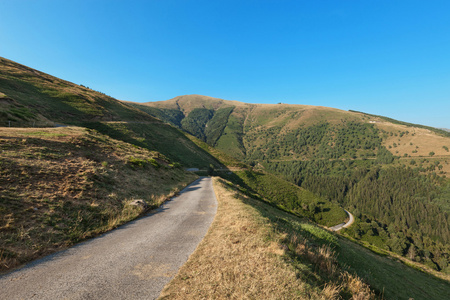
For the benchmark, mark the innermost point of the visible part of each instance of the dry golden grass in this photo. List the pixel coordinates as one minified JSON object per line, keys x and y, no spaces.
{"x":243,"y":256}
{"x":422,"y":140}
{"x":62,"y":185}
{"x":417,"y":143}
{"x":234,"y":261}
{"x":356,"y":287}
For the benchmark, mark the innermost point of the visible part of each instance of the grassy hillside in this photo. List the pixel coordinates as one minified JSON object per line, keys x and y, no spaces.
{"x":256,"y":251}
{"x":13,"y":113}
{"x":392,"y":175}
{"x":69,"y":183}
{"x":30,"y":98}
{"x":59,"y":100}
{"x":290,"y":197}
{"x":62,"y":185}
{"x":158,"y":137}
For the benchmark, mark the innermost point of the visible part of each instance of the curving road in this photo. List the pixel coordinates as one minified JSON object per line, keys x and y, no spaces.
{"x":344,"y":225}
{"x":134,"y":261}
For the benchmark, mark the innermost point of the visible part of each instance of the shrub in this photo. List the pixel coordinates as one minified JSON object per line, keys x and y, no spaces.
{"x":136,"y":162}
{"x":154,"y":163}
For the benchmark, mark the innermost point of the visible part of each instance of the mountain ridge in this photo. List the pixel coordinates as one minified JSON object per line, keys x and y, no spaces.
{"x":287,"y":117}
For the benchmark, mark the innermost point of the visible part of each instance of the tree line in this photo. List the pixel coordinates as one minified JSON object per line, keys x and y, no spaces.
{"x":398,"y":208}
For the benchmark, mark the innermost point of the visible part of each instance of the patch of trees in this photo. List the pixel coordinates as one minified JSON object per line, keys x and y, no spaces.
{"x":231,"y":139}
{"x":205,"y":124}
{"x":384,"y":156}
{"x":323,"y":140}
{"x":171,"y":116}
{"x":195,"y":122}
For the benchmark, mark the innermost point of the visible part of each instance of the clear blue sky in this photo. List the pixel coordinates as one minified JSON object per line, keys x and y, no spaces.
{"x":383,"y":57}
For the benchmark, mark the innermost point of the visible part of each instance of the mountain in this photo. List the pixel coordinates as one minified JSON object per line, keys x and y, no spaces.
{"x":250,"y":131}
{"x":98,"y":141}
{"x":63,"y":184}
{"x":392,"y":175}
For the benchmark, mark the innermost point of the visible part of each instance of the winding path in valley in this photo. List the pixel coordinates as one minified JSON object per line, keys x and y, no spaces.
{"x":134,"y":261}
{"x":344,"y":225}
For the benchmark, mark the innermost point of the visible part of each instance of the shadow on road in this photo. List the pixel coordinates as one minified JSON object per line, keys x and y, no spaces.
{"x":189,"y":189}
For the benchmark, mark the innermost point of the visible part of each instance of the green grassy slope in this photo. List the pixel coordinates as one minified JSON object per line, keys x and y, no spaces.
{"x":59,"y":100}
{"x":390,"y":277}
{"x":158,"y":137}
{"x":32,"y":98}
{"x":323,"y":258}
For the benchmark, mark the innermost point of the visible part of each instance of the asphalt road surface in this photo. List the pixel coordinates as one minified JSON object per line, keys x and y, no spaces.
{"x":344,"y":225}
{"x":134,"y":261}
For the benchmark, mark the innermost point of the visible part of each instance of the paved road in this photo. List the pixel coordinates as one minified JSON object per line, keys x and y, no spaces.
{"x":134,"y":261}
{"x":344,"y":225}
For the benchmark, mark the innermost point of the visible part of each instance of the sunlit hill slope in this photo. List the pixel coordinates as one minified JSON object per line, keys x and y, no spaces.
{"x":392,"y":175}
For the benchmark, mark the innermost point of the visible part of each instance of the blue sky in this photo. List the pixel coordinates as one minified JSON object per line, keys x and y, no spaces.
{"x":390,"y":58}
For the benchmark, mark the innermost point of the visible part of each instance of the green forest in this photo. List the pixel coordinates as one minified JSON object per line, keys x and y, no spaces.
{"x":322,"y":140}
{"x":397,"y":208}
{"x":288,"y":196}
